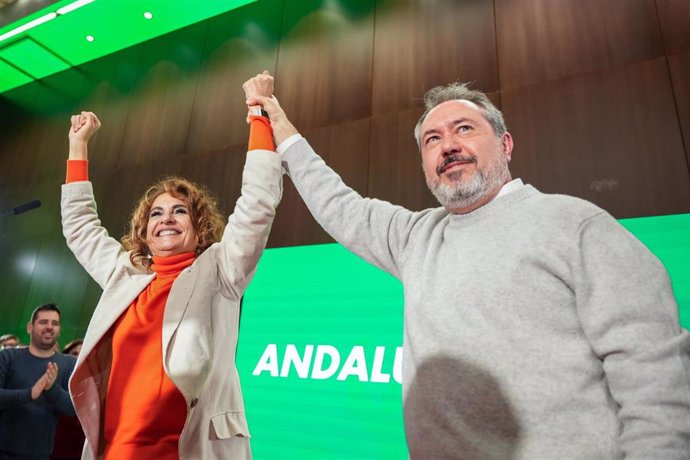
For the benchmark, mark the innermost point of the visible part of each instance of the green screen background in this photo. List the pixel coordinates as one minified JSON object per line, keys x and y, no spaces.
{"x":324,"y":295}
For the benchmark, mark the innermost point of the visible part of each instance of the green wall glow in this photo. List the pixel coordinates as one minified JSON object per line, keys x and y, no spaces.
{"x":668,"y":237}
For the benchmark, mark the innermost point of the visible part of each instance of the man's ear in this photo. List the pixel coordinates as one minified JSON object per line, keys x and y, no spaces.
{"x":29,"y":327}
{"x":507,"y":145}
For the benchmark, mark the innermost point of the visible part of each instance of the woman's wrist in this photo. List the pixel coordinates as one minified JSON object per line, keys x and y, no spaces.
{"x":78,"y":150}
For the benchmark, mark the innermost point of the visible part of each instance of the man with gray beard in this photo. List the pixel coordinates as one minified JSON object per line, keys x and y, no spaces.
{"x":536,"y":326}
{"x":453,"y":172}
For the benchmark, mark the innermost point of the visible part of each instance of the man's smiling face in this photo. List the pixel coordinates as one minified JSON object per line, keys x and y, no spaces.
{"x":44,"y":331}
{"x":465,"y":163}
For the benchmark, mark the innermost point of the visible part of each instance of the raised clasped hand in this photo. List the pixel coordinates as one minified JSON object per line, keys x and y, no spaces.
{"x":84,"y":125}
{"x":259,"y":85}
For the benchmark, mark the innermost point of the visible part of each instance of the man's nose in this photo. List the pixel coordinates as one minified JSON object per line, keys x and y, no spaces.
{"x":450,"y":145}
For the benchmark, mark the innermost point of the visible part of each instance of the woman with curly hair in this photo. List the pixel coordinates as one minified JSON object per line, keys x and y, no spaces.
{"x":156,"y":376}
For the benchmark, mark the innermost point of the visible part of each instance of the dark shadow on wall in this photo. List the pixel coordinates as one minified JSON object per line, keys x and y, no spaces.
{"x":456,"y":410}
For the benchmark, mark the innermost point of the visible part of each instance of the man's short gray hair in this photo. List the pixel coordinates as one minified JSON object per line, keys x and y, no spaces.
{"x":460,"y":91}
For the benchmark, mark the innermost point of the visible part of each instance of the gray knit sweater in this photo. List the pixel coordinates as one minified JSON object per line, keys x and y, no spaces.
{"x":536,"y":327}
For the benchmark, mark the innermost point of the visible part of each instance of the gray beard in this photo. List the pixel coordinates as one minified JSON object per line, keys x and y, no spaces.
{"x":462,"y":194}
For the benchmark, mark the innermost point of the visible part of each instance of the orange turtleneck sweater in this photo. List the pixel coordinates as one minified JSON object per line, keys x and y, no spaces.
{"x":144,"y":411}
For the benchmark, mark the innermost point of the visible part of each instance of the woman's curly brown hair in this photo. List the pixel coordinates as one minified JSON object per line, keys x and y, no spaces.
{"x":203,"y":209}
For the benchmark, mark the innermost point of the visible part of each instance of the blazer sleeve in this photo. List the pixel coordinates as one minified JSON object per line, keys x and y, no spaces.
{"x":95,"y":250}
{"x":249,"y":225}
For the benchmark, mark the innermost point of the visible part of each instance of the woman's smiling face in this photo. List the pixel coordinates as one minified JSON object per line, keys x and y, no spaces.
{"x":169,"y":230}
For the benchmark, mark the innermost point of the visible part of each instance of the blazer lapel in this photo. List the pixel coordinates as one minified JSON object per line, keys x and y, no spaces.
{"x":124,"y":288}
{"x":177,"y":303}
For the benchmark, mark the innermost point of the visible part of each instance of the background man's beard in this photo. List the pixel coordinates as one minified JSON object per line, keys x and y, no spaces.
{"x":41,"y":345}
{"x":464,"y":193}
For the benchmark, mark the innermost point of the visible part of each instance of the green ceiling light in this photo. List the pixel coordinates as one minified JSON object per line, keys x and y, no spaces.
{"x":44,"y":18}
{"x":53,"y":38}
{"x":29,"y":25}
{"x":73,"y":6}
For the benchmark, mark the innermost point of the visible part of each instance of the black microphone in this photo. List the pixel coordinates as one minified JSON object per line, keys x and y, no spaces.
{"x":22,"y":208}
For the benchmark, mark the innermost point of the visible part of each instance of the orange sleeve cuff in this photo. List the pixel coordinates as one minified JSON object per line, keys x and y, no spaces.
{"x":260,"y":134}
{"x":77,"y":171}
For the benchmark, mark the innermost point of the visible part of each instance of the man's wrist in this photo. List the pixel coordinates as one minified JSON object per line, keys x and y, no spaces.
{"x":286,"y":140}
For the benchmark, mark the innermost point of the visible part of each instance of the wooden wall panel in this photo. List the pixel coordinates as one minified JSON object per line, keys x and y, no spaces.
{"x":160,"y":114}
{"x":51,"y":147}
{"x":543,"y":40}
{"x":680,"y":76}
{"x":674,"y":16}
{"x":15,"y":122}
{"x":19,"y":248}
{"x":44,"y":141}
{"x":220,"y":172}
{"x":107,"y":86}
{"x":344,"y":147}
{"x":20,"y":235}
{"x":611,"y":137}
{"x":58,"y":93}
{"x":395,"y":162}
{"x":421,"y":44}
{"x":27,"y":165}
{"x":325,"y":63}
{"x":238,"y":45}
{"x":57,"y":275}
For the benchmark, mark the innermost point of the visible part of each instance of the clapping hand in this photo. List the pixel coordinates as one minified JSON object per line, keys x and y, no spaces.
{"x":46,"y":381}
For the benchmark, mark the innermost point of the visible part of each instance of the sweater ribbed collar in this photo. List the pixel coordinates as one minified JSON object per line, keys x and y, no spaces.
{"x":172,"y":265}
{"x":498,"y":204}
